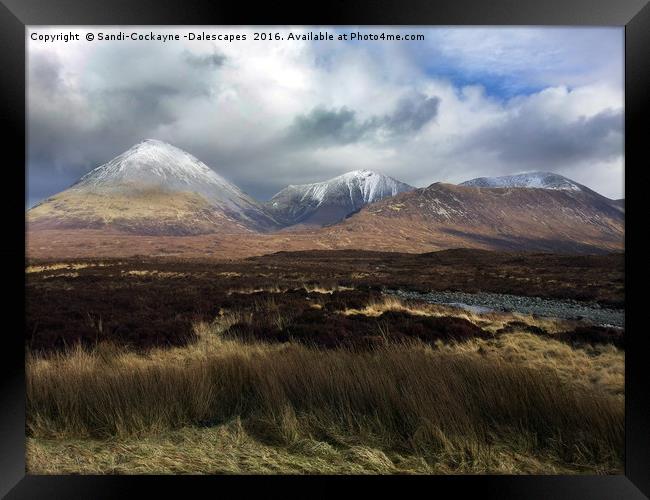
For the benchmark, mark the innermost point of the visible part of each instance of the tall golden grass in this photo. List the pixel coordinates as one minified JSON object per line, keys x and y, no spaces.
{"x":407,"y":398}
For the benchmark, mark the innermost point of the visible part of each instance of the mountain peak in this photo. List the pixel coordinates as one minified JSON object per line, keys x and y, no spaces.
{"x":156,"y":167}
{"x":363,"y":172}
{"x":156,"y":164}
{"x":329,"y":201}
{"x":540,"y":180}
{"x":149,"y":145}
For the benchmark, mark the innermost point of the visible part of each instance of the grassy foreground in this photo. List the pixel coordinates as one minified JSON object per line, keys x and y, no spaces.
{"x":517,"y":403}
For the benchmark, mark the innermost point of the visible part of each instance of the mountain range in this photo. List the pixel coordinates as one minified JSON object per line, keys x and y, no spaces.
{"x":156,"y":189}
{"x":451,"y":216}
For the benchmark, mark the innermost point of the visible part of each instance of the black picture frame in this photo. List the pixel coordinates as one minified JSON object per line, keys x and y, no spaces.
{"x":15,"y":15}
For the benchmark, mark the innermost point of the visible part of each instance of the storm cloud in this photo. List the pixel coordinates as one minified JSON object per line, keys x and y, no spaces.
{"x":540,"y":143}
{"x":323,"y":126}
{"x":412,"y":113}
{"x":264,"y":116}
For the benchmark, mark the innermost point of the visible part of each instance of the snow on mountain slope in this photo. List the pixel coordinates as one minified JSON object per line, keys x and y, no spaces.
{"x":156,"y":164}
{"x":326,"y":202}
{"x":154,"y":187}
{"x":541,"y":180}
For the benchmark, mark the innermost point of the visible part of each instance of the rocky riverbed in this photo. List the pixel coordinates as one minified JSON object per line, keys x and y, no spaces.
{"x":485,"y":302}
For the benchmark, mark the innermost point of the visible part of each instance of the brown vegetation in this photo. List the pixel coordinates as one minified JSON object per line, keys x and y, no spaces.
{"x":298,"y":363}
{"x":398,"y":400}
{"x":149,"y":302}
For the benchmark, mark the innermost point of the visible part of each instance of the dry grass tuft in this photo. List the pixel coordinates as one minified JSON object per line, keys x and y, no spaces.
{"x":491,"y":321}
{"x":307,"y":287}
{"x":63,"y":265}
{"x":398,"y":401}
{"x":504,"y":403}
{"x":600,"y":367}
{"x":153,"y":273}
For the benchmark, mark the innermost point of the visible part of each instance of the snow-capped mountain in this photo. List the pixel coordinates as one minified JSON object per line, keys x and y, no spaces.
{"x":541,"y":180}
{"x":330,"y":201}
{"x":154,"y":164}
{"x":154,"y":187}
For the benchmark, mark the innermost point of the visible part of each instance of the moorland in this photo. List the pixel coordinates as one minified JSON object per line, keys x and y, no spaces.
{"x":301,"y":362}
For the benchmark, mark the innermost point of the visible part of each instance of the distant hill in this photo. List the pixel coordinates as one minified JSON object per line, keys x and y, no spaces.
{"x":449,"y":216}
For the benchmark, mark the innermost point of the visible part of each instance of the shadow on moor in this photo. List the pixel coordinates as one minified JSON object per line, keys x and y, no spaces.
{"x":141,"y":303}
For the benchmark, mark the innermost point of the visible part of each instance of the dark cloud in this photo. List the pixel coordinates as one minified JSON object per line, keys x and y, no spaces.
{"x":147,"y":105}
{"x":214,"y":60}
{"x":534,"y":140}
{"x":60,"y":144}
{"x":327,"y":126}
{"x":412,"y":113}
{"x":335,"y":127}
{"x":78,"y":123}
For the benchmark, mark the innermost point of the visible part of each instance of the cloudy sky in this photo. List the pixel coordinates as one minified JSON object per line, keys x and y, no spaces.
{"x":463,"y":103}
